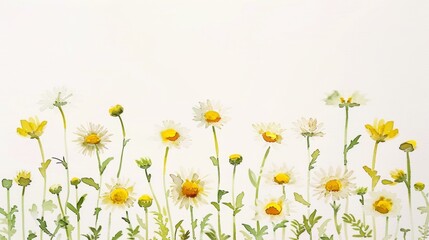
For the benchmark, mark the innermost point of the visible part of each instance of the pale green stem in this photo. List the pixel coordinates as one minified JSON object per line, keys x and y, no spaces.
{"x":234,"y":228}
{"x":164,"y":172}
{"x":345,"y":165}
{"x":219,"y":226}
{"x":146,"y":217}
{"x":44,"y":183}
{"x":261,"y":169}
{"x":374,"y":228}
{"x":22,"y":213}
{"x":284,"y":199}
{"x":409,"y":193}
{"x":109,"y":225}
{"x":123,"y":147}
{"x":64,"y":215}
{"x":101,"y":180}
{"x":192,"y":222}
{"x":427,"y":205}
{"x":78,"y":220}
{"x":386,"y":229}
{"x":337,"y":226}
{"x":308,"y":173}
{"x":374,"y":159}
{"x":67,"y":157}
{"x":9,"y":227}
{"x":151,"y":190}
{"x":398,"y":218}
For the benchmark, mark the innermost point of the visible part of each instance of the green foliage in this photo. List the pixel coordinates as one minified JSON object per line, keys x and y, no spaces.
{"x":31,"y":236}
{"x":311,"y":221}
{"x":215,"y":161}
{"x":314,"y":157}
{"x":10,"y":218}
{"x":90,"y":182}
{"x":62,"y":162}
{"x":327,"y":238}
{"x":238,"y":204}
{"x":184,"y":234}
{"x":424,"y":231}
{"x":95,"y":233}
{"x":213,"y":235}
{"x":252,"y":177}
{"x":76,"y":210}
{"x":299,"y":198}
{"x":362,"y":229}
{"x":353,"y":143}
{"x":104,"y":165}
{"x":177,"y":226}
{"x":220,"y":194}
{"x":117,"y":235}
{"x":281,"y":224}
{"x":162,"y":231}
{"x":373,"y":175}
{"x":297,"y":230}
{"x":43,"y":167}
{"x":132,"y":232}
{"x":205,"y":222}
{"x":257,"y":233}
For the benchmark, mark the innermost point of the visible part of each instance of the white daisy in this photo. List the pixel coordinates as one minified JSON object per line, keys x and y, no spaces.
{"x":187,"y":191}
{"x":269,"y":132}
{"x":280,"y":175}
{"x":272,"y":210}
{"x":91,"y":137}
{"x":210,"y":114}
{"x":118,"y":195}
{"x":337,"y":99}
{"x":334,"y":184}
{"x":383,"y":203}
{"x":309,"y":127}
{"x":58,"y":97}
{"x":173,"y":135}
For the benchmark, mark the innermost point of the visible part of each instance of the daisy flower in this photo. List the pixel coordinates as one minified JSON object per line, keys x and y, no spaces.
{"x":280,"y":175}
{"x":381,"y":131}
{"x":270,"y":132}
{"x":173,"y":135}
{"x":334,"y":184}
{"x":31,"y":128}
{"x":309,"y":127}
{"x":92,"y":137}
{"x":272,"y":210}
{"x":337,"y":99}
{"x":118,"y":195}
{"x":383,"y":204}
{"x":188,"y":191}
{"x":210,"y":114}
{"x":58,"y":97}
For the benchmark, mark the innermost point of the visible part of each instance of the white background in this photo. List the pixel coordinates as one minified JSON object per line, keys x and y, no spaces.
{"x":264,"y":60}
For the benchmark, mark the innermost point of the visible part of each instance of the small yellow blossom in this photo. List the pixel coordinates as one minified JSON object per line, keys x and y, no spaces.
{"x":235,"y":159}
{"x":116,"y":110}
{"x":419,"y":186}
{"x":408,"y":146}
{"x":31,"y":128}
{"x":145,"y":201}
{"x":381,"y":131}
{"x":23,"y":178}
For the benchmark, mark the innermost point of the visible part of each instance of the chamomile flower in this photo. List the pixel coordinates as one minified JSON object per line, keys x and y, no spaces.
{"x":272,"y":210}
{"x":173,"y":134}
{"x":382,"y":131}
{"x":210,"y":114}
{"x":383,"y":204}
{"x":118,"y":195}
{"x":31,"y":128}
{"x":23,"y":178}
{"x":334,"y":184}
{"x":280,"y":175}
{"x":338,"y":99}
{"x":58,"y":97}
{"x":188,"y":191}
{"x":269,"y":132}
{"x":309,"y":127}
{"x":92,"y":137}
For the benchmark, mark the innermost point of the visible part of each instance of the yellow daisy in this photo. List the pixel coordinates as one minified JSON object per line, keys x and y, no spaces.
{"x":118,"y":195}
{"x":187,"y":191}
{"x":381,"y":131}
{"x":269,"y":132}
{"x":91,"y":137}
{"x":23,"y":178}
{"x":383,"y":204}
{"x":272,"y":210}
{"x":280,"y":175}
{"x":338,"y":99}
{"x":31,"y":128}
{"x":173,"y":135}
{"x":334,"y":184}
{"x":309,"y":127}
{"x":210,"y":114}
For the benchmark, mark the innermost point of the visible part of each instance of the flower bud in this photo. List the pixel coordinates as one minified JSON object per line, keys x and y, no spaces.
{"x":116,"y":110}
{"x":6,"y":183}
{"x":55,"y":189}
{"x":23,"y":178}
{"x":144,"y":163}
{"x":361,"y":191}
{"x":408,"y":146}
{"x":419,"y":186}
{"x":145,"y":201}
{"x":75,"y":181}
{"x":235,"y":159}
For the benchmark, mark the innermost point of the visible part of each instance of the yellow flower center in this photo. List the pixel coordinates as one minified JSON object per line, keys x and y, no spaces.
{"x":282,"y":178}
{"x":343,"y":100}
{"x":333,"y":185}
{"x":212,"y":116}
{"x":273,"y":208}
{"x":170,"y":135}
{"x":383,"y":205}
{"x":119,"y":195}
{"x":92,"y":139}
{"x":190,"y":189}
{"x":270,"y":137}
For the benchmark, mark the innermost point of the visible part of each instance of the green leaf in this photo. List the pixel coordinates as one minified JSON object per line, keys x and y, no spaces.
{"x":362,"y":230}
{"x":386,"y":182}
{"x":250,"y":229}
{"x":314,"y":157}
{"x":31,"y":236}
{"x":252,"y":177}
{"x":228,"y":204}
{"x":373,"y":175}
{"x":299,"y":198}
{"x":73,"y":209}
{"x":43,"y":167}
{"x":49,"y":206}
{"x":281,"y":224}
{"x":239,"y":200}
{"x":220,"y":194}
{"x":215,"y":161}
{"x":104,"y":164}
{"x":204,"y":223}
{"x":322,"y":228}
{"x":117,"y":235}
{"x":353,"y":143}
{"x":216,"y":205}
{"x":90,"y":182}
{"x":80,"y":202}
{"x":6,"y":183}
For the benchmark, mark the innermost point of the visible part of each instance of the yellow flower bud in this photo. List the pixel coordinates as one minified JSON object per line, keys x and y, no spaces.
{"x":408,"y":146}
{"x":235,"y":159}
{"x":419,"y":186}
{"x":23,"y":178}
{"x":55,"y":189}
{"x":75,"y":181}
{"x":145,"y":201}
{"x":116,"y":110}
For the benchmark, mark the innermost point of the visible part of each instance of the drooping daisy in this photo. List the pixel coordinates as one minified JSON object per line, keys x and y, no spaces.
{"x":210,"y":114}
{"x":272,"y":210}
{"x":58,"y":97}
{"x":92,"y":137}
{"x":383,"y":203}
{"x":381,"y":131}
{"x":118,"y":195}
{"x":173,"y":135}
{"x":334,"y":184}
{"x":187,"y":191}
{"x":337,"y":99}
{"x":309,"y":127}
{"x":269,"y":132}
{"x":280,"y":175}
{"x":31,"y":128}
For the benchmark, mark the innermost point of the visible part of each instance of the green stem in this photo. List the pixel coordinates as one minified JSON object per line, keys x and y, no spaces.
{"x":77,"y":219}
{"x":146,"y":217}
{"x":374,"y":157}
{"x":219,"y":226}
{"x":64,"y":216}
{"x":9,"y":226}
{"x":308,"y":173}
{"x":151,"y":190}
{"x":409,"y":193}
{"x":398,"y":218}
{"x":386,"y":230}
{"x":345,"y":136}
{"x":101,"y":180}
{"x":234,"y":228}
{"x":261,"y":169}
{"x":374,"y":228}
{"x":192,"y":223}
{"x":284,"y":199}
{"x":123,"y":146}
{"x":42,"y":152}
{"x":427,"y":205}
{"x":165,"y":193}
{"x":109,"y":225}
{"x":337,"y":226}
{"x":66,"y":155}
{"x":22,"y":213}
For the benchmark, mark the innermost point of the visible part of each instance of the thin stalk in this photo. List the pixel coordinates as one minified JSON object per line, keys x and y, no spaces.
{"x":398,"y":218}
{"x":261,"y":169}
{"x":346,"y":125}
{"x":67,"y":156}
{"x":374,"y":159}
{"x":386,"y":229}
{"x":22,"y":213}
{"x":409,"y":193}
{"x":234,"y":228}
{"x":427,"y":205}
{"x":64,"y":216}
{"x":337,"y":226}
{"x":151,"y":190}
{"x":44,"y":183}
{"x":219,"y":226}
{"x":109,"y":225}
{"x":123,"y":146}
{"x":78,"y":220}
{"x":192,"y":223}
{"x":308,"y":173}
{"x":101,"y":180}
{"x":9,"y":227}
{"x":146,"y":217}
{"x":165,"y":193}
{"x":284,"y":199}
